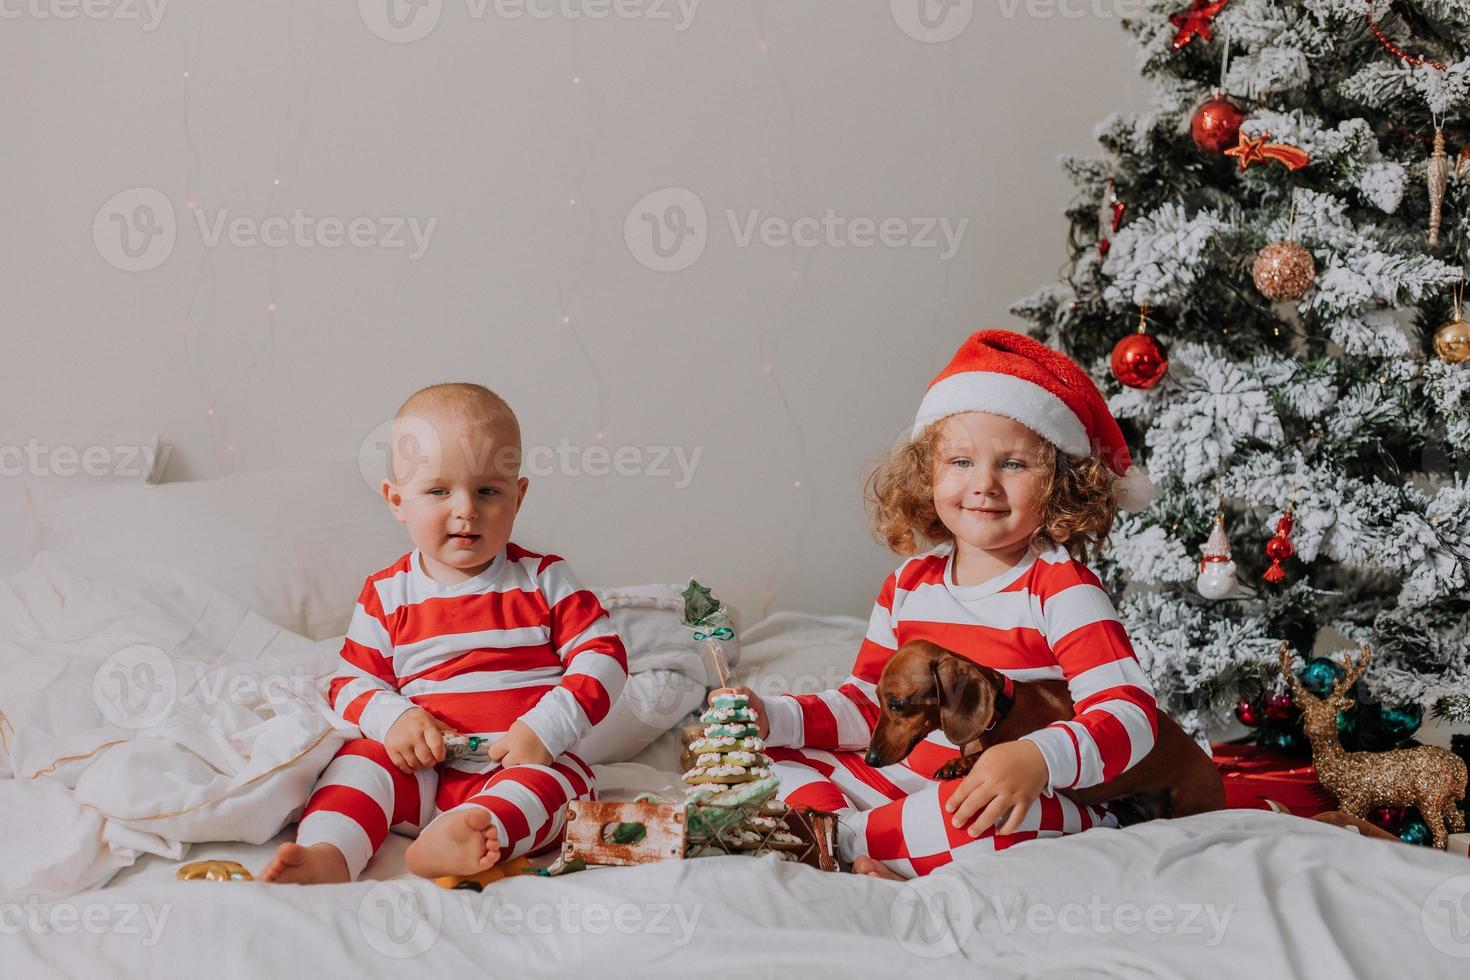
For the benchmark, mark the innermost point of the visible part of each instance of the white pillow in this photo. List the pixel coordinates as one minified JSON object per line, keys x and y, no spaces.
{"x":653,"y":702}
{"x":294,"y":545}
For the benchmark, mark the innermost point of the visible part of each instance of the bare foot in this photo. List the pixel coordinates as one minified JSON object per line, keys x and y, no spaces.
{"x":460,"y":842}
{"x":318,"y":864}
{"x":865,"y":865}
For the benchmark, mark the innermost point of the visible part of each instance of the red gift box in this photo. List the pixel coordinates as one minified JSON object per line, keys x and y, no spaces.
{"x":1253,"y":775}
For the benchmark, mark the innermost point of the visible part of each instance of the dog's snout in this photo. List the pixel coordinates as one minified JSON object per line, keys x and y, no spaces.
{"x":873,"y":759}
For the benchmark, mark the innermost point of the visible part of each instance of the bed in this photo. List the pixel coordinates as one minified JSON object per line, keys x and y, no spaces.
{"x":95,"y":819}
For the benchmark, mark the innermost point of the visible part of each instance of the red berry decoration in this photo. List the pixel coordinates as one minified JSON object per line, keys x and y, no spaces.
{"x":1390,"y":818}
{"x":1279,"y":549}
{"x":1216,"y":124}
{"x":1139,"y":361}
{"x":1248,"y":713}
{"x":1279,"y":706}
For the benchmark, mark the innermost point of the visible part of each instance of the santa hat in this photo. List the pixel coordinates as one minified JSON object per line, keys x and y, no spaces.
{"x":1010,"y":374}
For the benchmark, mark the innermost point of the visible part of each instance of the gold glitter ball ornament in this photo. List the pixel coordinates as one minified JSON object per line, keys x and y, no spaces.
{"x":1284,"y":271}
{"x":1452,"y":341}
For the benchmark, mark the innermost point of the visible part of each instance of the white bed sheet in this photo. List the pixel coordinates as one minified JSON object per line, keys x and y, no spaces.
{"x":1238,"y":893}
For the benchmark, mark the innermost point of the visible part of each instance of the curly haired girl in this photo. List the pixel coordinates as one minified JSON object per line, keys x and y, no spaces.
{"x":1014,"y":473}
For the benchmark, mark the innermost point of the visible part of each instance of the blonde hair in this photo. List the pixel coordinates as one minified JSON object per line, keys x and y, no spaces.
{"x":1077,"y":509}
{"x":462,"y":401}
{"x":418,"y":425}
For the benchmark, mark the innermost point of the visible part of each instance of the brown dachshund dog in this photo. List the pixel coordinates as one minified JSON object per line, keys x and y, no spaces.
{"x":926,"y":687}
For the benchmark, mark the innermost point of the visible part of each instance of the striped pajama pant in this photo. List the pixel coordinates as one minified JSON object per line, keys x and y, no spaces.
{"x":896,"y":815}
{"x":361,"y":796}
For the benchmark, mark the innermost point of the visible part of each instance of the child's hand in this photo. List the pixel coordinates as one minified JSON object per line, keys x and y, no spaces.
{"x":761,"y":724}
{"x":415,"y":741}
{"x":1011,"y":776}
{"x":519,"y":746}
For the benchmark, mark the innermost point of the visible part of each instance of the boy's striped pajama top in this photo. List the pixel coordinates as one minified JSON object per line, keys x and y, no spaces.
{"x":520,"y":641}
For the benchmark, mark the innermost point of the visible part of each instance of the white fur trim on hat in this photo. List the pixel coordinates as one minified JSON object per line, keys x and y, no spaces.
{"x":1015,"y":398}
{"x":1133,"y":490}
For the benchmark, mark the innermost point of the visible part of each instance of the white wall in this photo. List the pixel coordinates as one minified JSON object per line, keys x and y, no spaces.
{"x":481,"y":126}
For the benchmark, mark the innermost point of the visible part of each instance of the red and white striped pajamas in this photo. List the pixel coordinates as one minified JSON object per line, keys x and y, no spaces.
{"x":521,"y":641}
{"x":1045,"y":618}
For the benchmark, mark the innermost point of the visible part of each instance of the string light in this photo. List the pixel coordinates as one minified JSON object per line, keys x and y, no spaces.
{"x":581,"y":223}
{"x":785,"y":315}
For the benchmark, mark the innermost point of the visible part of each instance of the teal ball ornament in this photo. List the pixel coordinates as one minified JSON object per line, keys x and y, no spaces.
{"x":1416,"y":831}
{"x":1320,"y":674}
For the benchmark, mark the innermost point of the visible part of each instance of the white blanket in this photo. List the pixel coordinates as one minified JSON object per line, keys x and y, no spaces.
{"x":143,"y":714}
{"x":1240,"y":893}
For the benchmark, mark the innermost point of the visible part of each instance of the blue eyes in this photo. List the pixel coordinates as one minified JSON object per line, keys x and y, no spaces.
{"x":487,"y":491}
{"x":965,"y":464}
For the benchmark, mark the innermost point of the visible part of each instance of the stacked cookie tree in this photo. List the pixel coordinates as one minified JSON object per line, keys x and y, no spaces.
{"x":732,"y":806}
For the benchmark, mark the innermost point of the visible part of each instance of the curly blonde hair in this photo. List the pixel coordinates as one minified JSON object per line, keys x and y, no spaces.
{"x":1077,"y":510}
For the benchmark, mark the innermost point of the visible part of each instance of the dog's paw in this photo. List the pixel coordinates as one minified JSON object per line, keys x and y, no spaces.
{"x":955,"y":770}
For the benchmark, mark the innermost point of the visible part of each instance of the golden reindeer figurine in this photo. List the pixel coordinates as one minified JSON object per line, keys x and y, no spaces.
{"x":1429,"y":777}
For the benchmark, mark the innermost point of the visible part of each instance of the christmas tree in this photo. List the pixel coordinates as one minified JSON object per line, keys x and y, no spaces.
{"x":1264,"y":278}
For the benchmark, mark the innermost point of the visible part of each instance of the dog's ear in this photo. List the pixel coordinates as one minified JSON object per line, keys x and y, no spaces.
{"x":966,"y":699}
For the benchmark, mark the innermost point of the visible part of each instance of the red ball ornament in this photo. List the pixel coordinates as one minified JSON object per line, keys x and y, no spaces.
{"x":1139,"y":361}
{"x":1279,"y":707}
{"x":1248,"y":713}
{"x":1390,"y":818}
{"x":1279,"y":549}
{"x":1216,"y":124}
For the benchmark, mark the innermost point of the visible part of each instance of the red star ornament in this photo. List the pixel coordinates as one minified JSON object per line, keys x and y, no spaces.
{"x":1260,"y":149}
{"x":1195,"y":22}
